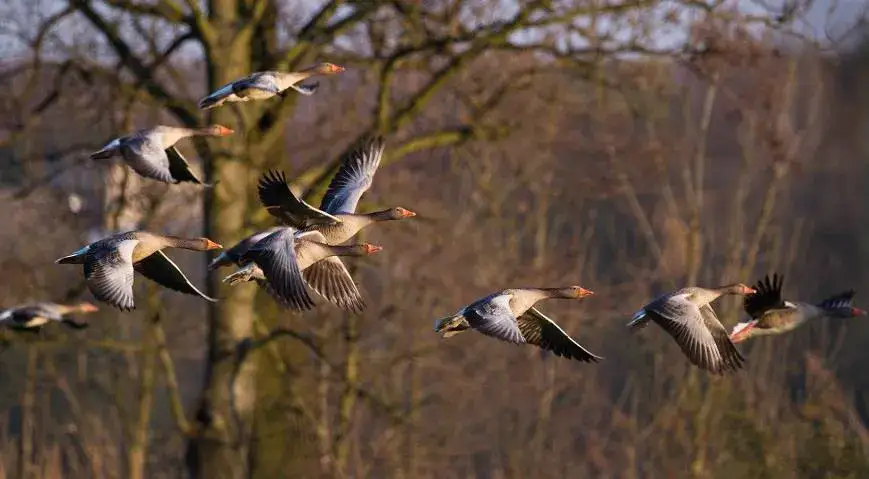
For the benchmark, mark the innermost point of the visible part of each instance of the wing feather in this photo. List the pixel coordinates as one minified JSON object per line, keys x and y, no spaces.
{"x":492,"y":316}
{"x":163,"y":271}
{"x":690,"y":327}
{"x":331,"y":280}
{"x":276,"y":256}
{"x":732,"y":359}
{"x":542,"y":331}
{"x":767,"y":297}
{"x":354,"y":177}
{"x":108,"y":273}
{"x":179,"y":168}
{"x":147,"y":159}
{"x":275,"y":194}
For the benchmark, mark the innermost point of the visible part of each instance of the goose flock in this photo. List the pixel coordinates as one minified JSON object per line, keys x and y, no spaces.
{"x":300,"y":260}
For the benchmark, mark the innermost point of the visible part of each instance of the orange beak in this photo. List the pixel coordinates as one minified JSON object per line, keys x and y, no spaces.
{"x":336,"y":68}
{"x":372,"y":248}
{"x":223,"y":131}
{"x":582,"y":292}
{"x":87,"y":308}
{"x":406,"y":213}
{"x":750,"y":291}
{"x":210,"y":245}
{"x":858,"y":312}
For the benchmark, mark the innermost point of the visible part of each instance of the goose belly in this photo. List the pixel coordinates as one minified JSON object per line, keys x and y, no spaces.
{"x":255,"y":94}
{"x":779,"y":327}
{"x":350,"y":225}
{"x":142,"y":250}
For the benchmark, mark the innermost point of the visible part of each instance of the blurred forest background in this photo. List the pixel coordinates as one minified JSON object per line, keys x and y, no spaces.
{"x":627,"y":146}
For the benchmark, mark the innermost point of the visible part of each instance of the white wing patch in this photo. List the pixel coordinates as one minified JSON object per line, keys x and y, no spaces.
{"x":740,"y":326}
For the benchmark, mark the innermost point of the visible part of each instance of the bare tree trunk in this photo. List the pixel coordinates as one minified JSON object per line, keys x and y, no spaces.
{"x":221,"y":447}
{"x":695,"y":235}
{"x":348,"y":396}
{"x":324,"y":429}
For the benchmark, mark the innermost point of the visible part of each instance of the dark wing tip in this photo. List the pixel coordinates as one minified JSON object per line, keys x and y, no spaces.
{"x":582,"y":356}
{"x":731,"y":359}
{"x":367,"y":151}
{"x":372,"y":142}
{"x":271,"y":178}
{"x":124,"y":307}
{"x":353,"y":305}
{"x":592,"y":358}
{"x":767,"y":296}
{"x":272,"y":188}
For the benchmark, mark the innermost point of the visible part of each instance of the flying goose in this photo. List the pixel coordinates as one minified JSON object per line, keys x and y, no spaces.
{"x":287,"y":261}
{"x":34,"y":316}
{"x":510,"y":316}
{"x":770,"y":314}
{"x":336,"y":218}
{"x":267,"y":84}
{"x":151,"y":152}
{"x":686,"y":315}
{"x":110,"y":262}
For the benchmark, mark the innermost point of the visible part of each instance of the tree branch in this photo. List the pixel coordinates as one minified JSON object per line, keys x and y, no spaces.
{"x":248,"y":345}
{"x":175,"y":401}
{"x":166,"y":10}
{"x":143,"y":74}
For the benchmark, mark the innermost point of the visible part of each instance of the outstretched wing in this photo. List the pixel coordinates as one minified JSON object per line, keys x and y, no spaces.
{"x":353,"y":178}
{"x":279,"y":200}
{"x":492,"y":316}
{"x":163,"y":271}
{"x":179,"y":168}
{"x":685,"y":322}
{"x":731,"y":358}
{"x":147,"y":159}
{"x":108,"y":273}
{"x":541,"y":331}
{"x":276,"y":256}
{"x":331,"y":280}
{"x":766,"y":297}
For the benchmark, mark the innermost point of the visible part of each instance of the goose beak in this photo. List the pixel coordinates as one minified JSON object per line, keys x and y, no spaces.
{"x":858,"y":312}
{"x":582,"y":292}
{"x":88,"y":308}
{"x":405,"y":213}
{"x":211,"y":245}
{"x":223,"y":131}
{"x":372,"y":248}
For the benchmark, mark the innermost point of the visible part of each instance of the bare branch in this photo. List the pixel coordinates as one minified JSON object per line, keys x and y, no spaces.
{"x":144,"y":75}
